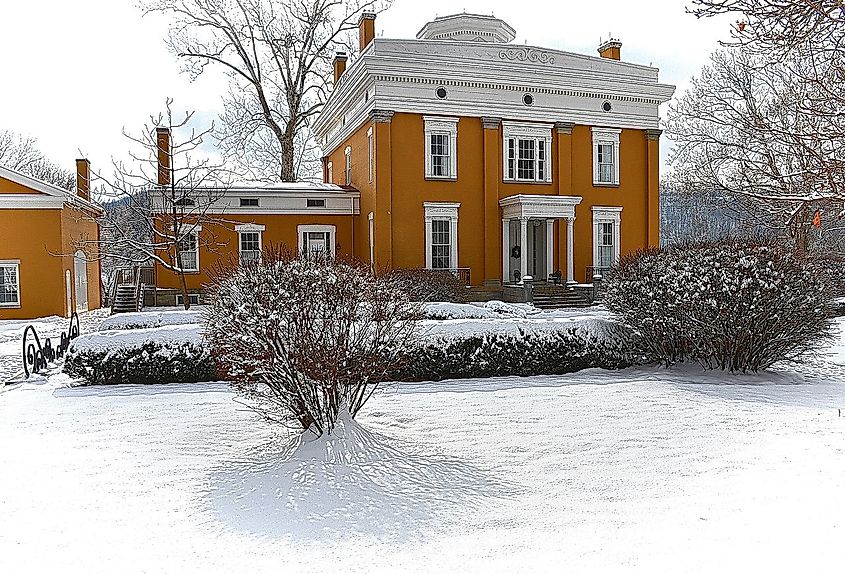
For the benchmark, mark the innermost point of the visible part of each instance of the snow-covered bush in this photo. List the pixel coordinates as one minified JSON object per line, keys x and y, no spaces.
{"x":306,"y":339}
{"x":174,"y":354}
{"x":151,"y":319}
{"x":735,"y":306}
{"x":522,"y":353}
{"x":429,"y":285}
{"x":486,"y":310}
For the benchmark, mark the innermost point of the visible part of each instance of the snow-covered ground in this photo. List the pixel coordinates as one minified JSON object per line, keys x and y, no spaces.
{"x":639,"y":470}
{"x":11,"y":337}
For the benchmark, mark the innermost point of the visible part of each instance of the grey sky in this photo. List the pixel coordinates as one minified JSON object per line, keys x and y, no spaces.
{"x":76,"y":73}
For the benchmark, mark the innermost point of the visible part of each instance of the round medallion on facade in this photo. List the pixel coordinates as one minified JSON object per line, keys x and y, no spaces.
{"x":441,"y":92}
{"x":606,"y":106}
{"x":528,"y":100}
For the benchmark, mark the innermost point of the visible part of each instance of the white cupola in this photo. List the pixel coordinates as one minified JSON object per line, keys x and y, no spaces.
{"x":468,"y":28}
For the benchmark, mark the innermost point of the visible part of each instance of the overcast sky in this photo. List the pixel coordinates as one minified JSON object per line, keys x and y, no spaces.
{"x":75,"y":73}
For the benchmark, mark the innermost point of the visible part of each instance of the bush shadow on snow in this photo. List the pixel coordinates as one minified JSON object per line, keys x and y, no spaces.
{"x":355,"y":482}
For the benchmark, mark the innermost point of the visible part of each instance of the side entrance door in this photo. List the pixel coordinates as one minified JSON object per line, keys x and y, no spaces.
{"x":80,"y":275}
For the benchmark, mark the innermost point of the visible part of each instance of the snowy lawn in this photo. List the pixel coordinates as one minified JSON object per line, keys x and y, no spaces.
{"x":639,"y":470}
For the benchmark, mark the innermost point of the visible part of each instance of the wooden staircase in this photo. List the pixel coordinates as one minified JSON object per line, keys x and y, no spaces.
{"x":550,"y":296}
{"x":128,"y":288}
{"x":126,"y":299}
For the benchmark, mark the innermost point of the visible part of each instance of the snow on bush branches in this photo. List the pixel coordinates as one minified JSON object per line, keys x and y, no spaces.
{"x":729,"y":305}
{"x":305,"y":339}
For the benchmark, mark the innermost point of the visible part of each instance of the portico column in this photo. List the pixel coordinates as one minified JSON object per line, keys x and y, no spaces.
{"x":523,"y":247}
{"x":570,"y":251}
{"x":506,"y":238}
{"x":550,"y":247}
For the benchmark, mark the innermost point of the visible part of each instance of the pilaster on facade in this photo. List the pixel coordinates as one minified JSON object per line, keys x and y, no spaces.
{"x":564,"y":127}
{"x":653,"y":189}
{"x":381,"y":116}
{"x":490,"y":123}
{"x":653,"y":135}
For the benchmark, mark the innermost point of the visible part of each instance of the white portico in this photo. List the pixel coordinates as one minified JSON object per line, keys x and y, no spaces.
{"x":528,"y":235}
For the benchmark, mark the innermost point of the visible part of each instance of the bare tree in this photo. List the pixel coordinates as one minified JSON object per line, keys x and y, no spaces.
{"x":155,"y":208}
{"x":307,"y":339}
{"x":22,"y":154}
{"x":278,"y":57}
{"x":743,"y":130}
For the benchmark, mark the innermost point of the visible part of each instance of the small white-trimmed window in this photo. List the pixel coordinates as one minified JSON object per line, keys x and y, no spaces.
{"x":194,"y":298}
{"x":249,"y":242}
{"x":316,"y":239}
{"x":441,"y":235}
{"x":330,"y":173}
{"x":370,"y":159}
{"x":527,"y":149}
{"x":606,"y":156}
{"x":441,"y":147}
{"x":189,"y":253}
{"x":10,"y":284}
{"x":348,"y":170}
{"x":606,"y":224}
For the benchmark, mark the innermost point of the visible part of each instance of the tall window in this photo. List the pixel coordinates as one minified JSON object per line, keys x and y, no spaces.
{"x":441,"y":136}
{"x":606,"y":223}
{"x":441,"y":244}
{"x":606,"y":156}
{"x":441,"y":235}
{"x":527,"y":152}
{"x":330,"y":173}
{"x":370,"y":159}
{"x":348,"y":170}
{"x":10,"y":288}
{"x":605,"y":240}
{"x":189,"y":253}
{"x":440,"y":157}
{"x":250,"y":246}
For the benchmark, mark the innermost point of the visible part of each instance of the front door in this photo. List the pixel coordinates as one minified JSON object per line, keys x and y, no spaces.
{"x":80,"y":273}
{"x":537,"y":262}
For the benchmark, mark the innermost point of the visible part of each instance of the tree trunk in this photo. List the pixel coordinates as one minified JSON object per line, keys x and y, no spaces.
{"x":288,"y":172}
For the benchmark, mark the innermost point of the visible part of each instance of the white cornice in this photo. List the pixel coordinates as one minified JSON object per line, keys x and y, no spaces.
{"x":48,"y":190}
{"x":402,"y":75}
{"x":30,"y":201}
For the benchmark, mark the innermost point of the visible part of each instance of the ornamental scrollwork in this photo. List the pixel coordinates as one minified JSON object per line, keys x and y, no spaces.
{"x":525,"y":54}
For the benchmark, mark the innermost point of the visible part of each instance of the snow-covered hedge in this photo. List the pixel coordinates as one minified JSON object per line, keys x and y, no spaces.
{"x":487,"y":310}
{"x":170,"y":354}
{"x":491,"y":349}
{"x":735,"y":306}
{"x":428,"y":285}
{"x":152,"y":319}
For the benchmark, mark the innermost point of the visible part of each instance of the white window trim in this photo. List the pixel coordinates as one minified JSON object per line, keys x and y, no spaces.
{"x":606,"y":215}
{"x":17,"y":265}
{"x":195,"y":231}
{"x":192,"y":297}
{"x":370,"y":151}
{"x":249,"y":228}
{"x":442,"y":211}
{"x":526,"y":131}
{"x":330,"y":174}
{"x":331,"y":229}
{"x":371,"y":230}
{"x":347,"y":171}
{"x":606,"y":136}
{"x":447,"y":126}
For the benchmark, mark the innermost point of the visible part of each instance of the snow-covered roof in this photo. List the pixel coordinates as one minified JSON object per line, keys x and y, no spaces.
{"x":48,"y":189}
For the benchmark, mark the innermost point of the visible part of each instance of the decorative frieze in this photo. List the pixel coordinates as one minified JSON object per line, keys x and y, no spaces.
{"x":489,"y":123}
{"x":381,"y":116}
{"x":564,"y":127}
{"x":526,"y":54}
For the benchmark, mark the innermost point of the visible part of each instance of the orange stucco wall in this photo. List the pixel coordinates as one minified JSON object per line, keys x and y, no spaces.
{"x":42,"y":241}
{"x":401,"y":189}
{"x":219,"y":242}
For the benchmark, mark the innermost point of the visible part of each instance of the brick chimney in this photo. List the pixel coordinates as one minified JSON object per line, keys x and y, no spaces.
{"x":366,"y":29}
{"x":339,"y":65}
{"x":83,"y":178}
{"x":163,"y":145}
{"x":611,"y":49}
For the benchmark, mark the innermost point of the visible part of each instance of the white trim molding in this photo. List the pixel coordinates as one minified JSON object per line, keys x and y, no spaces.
{"x":601,"y":215}
{"x":249,"y":228}
{"x":330,"y":229}
{"x":606,"y":136}
{"x":16,"y":264}
{"x":539,"y":206}
{"x":541,"y":136}
{"x":370,"y":155}
{"x":347,"y":169}
{"x":441,"y":211}
{"x":443,"y":126}
{"x":330,"y":172}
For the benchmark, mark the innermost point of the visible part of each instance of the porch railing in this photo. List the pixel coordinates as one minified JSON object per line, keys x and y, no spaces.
{"x":593,"y":271}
